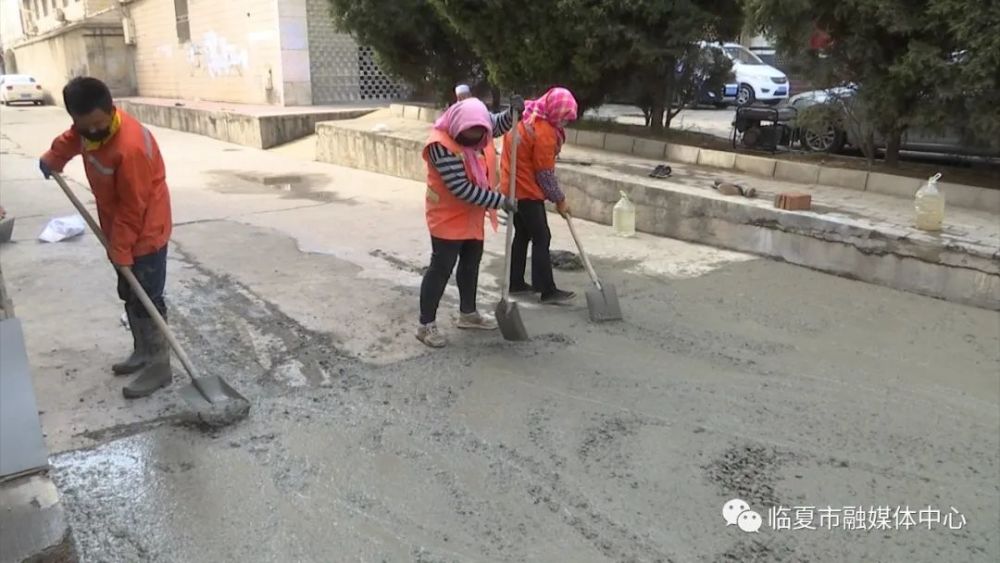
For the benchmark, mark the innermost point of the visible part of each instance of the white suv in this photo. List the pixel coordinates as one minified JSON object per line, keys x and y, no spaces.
{"x":757,"y":80}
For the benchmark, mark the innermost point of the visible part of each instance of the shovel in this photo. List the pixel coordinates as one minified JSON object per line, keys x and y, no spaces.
{"x":507,"y":313}
{"x":603,"y":300}
{"x":212,"y":399}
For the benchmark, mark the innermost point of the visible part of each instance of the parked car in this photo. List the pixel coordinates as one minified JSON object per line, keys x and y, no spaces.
{"x":834,"y":137}
{"x":20,"y":88}
{"x":708,"y":96}
{"x":757,"y":80}
{"x":720,"y":99}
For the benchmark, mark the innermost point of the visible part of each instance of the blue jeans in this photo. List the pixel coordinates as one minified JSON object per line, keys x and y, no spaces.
{"x":151,"y":271}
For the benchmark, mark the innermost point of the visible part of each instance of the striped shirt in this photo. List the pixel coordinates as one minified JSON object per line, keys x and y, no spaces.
{"x":452,"y":169}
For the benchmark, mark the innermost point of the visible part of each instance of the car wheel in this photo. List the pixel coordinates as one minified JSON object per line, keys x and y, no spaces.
{"x":745,"y":95}
{"x":829,"y":139}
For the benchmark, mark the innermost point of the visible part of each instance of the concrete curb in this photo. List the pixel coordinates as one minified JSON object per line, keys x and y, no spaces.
{"x":920,"y":264}
{"x":257,"y":131}
{"x":973,"y":197}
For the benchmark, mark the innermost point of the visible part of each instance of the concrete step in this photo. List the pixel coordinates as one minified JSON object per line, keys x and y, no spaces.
{"x":260,"y":127}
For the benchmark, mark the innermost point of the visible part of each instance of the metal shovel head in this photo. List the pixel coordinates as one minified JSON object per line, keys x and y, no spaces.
{"x":509,"y":320}
{"x":215,"y":404}
{"x":603,"y":304}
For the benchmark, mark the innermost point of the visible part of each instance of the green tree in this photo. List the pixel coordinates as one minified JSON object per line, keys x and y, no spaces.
{"x":902,"y":54}
{"x":970,"y":78}
{"x":411,"y":42}
{"x":529,"y":46}
{"x":598,"y":48}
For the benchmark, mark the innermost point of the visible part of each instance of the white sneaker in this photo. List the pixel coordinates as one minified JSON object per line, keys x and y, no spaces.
{"x":476,"y":321}
{"x":429,"y":335}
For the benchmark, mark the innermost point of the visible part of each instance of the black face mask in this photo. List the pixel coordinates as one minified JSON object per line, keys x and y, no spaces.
{"x":96,"y":136}
{"x":467,"y":142}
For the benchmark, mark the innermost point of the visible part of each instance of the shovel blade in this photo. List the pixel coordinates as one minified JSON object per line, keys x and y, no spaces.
{"x":209,"y":390}
{"x":603,"y":304}
{"x":509,"y":320}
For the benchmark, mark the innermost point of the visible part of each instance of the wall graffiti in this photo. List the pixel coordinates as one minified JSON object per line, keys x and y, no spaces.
{"x":216,"y":57}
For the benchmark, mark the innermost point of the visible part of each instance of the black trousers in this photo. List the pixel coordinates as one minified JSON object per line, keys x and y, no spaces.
{"x":151,"y":271}
{"x":444,"y":254}
{"x":531,"y":226}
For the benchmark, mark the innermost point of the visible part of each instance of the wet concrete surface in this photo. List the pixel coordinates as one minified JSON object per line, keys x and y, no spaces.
{"x":730,"y":377}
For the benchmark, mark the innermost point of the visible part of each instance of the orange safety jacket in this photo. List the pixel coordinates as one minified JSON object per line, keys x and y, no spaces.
{"x":537,"y":148}
{"x":128,"y":178}
{"x":448,"y":217}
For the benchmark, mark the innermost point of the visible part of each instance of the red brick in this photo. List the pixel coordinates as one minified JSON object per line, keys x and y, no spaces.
{"x":793,"y":201}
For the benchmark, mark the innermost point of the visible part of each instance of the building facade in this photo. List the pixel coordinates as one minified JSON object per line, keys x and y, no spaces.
{"x":273,"y":52}
{"x":55,"y":40}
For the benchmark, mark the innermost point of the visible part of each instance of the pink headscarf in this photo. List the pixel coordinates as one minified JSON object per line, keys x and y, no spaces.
{"x":557,"y":106}
{"x":464,"y":115}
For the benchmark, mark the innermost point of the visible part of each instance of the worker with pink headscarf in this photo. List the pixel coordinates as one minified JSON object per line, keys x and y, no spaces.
{"x":461,"y":190}
{"x":542,"y":133}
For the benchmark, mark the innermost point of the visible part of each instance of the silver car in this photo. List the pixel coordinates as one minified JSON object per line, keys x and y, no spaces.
{"x":833,"y":137}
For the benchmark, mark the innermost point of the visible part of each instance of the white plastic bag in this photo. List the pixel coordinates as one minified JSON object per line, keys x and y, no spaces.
{"x":62,"y":228}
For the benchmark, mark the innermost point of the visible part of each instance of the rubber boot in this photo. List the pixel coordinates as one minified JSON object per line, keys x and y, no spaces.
{"x":138,"y":357}
{"x":156,"y":373}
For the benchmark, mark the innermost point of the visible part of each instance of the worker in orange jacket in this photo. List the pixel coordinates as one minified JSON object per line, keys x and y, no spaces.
{"x":542,"y":133}
{"x":127,"y":176}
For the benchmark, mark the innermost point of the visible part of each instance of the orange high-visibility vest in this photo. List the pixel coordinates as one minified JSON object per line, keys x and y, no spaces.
{"x":448,"y":217}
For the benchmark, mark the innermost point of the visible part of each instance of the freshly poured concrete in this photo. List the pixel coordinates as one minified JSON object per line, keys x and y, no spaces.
{"x":730,"y":377}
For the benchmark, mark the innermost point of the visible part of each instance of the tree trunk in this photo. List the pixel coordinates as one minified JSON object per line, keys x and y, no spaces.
{"x":868,"y":148}
{"x":495,"y":92}
{"x":669,"y":88}
{"x":671,"y":114}
{"x":656,"y":116}
{"x":892,"y":144}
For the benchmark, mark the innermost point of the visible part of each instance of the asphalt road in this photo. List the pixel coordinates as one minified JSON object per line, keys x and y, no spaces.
{"x":731,"y":377}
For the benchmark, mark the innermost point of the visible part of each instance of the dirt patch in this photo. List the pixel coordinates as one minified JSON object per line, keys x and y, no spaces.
{"x":748,"y":473}
{"x":289,"y":186}
{"x":566,"y":261}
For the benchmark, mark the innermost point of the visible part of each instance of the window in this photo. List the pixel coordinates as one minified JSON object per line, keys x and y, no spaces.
{"x":742,"y":55}
{"x":45,"y":7}
{"x":183,"y":23}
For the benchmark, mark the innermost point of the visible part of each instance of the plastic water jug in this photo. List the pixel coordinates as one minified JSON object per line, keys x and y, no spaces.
{"x":623,"y":217}
{"x":929,"y":205}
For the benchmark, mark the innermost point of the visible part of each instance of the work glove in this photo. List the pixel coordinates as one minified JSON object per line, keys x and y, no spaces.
{"x":517,"y":106}
{"x":46,"y":171}
{"x":509,"y":206}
